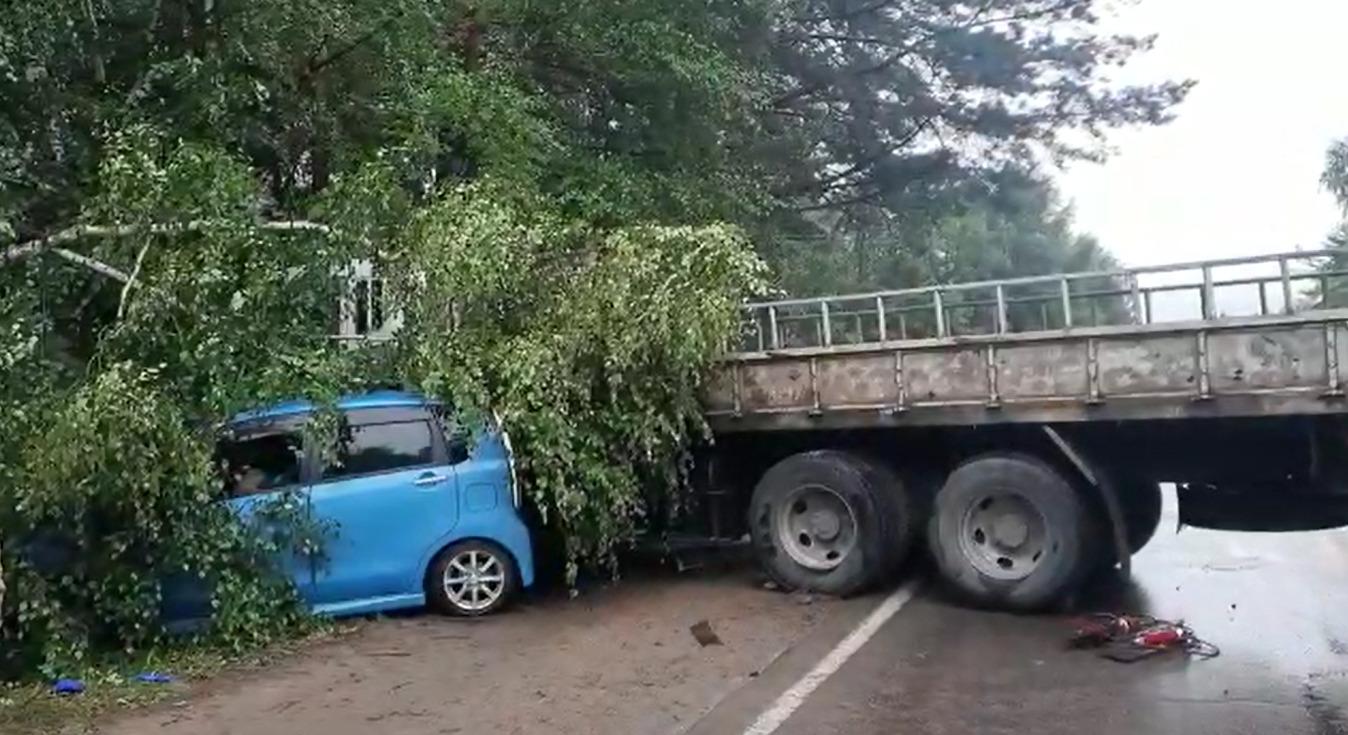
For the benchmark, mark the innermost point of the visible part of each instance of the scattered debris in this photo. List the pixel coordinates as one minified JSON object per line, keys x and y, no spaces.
{"x":705,"y":636}
{"x":803,"y":598}
{"x":154,"y":677}
{"x":1129,"y":638}
{"x":67,"y":687}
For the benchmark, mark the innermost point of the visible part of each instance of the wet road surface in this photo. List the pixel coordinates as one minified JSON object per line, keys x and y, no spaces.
{"x":1276,"y":605}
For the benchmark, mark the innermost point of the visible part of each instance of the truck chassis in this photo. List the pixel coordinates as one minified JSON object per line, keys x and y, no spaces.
{"x":1023,"y":425}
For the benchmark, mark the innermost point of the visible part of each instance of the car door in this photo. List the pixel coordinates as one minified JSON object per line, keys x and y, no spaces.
{"x":264,"y":484}
{"x":389,"y":492}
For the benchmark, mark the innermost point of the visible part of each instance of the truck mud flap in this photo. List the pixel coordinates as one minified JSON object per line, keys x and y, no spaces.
{"x":1273,"y":508}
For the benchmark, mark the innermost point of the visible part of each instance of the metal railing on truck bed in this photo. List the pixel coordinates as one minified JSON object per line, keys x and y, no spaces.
{"x":1250,"y":336}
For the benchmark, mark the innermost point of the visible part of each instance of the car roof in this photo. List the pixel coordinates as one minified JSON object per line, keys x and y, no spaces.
{"x":368,"y":399}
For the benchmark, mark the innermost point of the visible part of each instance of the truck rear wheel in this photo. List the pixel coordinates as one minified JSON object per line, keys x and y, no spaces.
{"x":825,"y":521}
{"x":1009,"y":531}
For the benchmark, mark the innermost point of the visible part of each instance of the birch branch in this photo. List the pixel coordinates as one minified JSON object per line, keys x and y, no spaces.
{"x":51,"y":243}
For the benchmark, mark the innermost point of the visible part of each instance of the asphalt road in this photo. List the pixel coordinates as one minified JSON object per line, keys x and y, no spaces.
{"x":1276,"y":605}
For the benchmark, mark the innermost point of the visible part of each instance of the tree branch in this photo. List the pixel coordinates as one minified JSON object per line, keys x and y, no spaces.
{"x":977,"y":20}
{"x":126,"y":288}
{"x":874,"y":7}
{"x":858,"y":199}
{"x":845,"y":38}
{"x":835,"y":181}
{"x":318,"y":65}
{"x":52,"y":243}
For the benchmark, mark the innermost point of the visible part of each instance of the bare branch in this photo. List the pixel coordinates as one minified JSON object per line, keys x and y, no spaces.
{"x":52,"y":243}
{"x":126,"y":289}
{"x":96,"y":266}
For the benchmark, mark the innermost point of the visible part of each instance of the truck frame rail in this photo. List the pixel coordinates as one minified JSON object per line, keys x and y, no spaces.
{"x":1256,"y":336}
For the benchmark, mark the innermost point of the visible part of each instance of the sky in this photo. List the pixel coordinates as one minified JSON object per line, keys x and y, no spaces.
{"x":1237,"y":172}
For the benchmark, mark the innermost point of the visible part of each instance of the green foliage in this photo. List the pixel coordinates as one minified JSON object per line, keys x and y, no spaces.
{"x":1335,"y":177}
{"x":590,"y":344}
{"x":1335,"y":180}
{"x":904,"y":97}
{"x":555,"y":191}
{"x":1012,"y":224}
{"x":112,"y":498}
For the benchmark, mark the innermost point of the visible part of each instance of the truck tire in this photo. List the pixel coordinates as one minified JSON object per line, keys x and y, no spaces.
{"x":1009,"y":531}
{"x":1140,"y":501}
{"x":899,"y":513}
{"x":821,"y":523}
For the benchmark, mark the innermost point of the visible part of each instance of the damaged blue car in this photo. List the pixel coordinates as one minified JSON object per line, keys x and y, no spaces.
{"x":416,"y":512}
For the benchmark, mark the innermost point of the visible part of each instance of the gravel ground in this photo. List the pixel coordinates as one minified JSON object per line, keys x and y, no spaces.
{"x":617,"y":660}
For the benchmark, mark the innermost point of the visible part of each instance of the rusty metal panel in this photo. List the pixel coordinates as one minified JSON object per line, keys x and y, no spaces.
{"x":958,"y":374}
{"x":1148,"y":364}
{"x":719,"y":392}
{"x":857,"y":380}
{"x":1048,"y":369}
{"x":777,"y":385}
{"x":1267,"y":358}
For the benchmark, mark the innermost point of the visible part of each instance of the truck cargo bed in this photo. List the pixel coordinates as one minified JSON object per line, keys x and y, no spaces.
{"x":1237,"y":337}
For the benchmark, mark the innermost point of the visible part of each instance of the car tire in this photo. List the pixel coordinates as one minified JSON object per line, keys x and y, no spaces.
{"x":471,"y":578}
{"x":821,"y":523}
{"x":1009,"y":531}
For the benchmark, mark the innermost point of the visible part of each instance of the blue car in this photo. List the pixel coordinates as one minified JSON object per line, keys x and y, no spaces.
{"x":419,"y":513}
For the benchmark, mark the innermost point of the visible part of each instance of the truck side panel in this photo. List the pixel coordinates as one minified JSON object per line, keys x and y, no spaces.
{"x":1274,"y":366}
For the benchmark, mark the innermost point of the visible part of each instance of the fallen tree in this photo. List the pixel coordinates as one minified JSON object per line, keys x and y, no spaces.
{"x":590,"y":342}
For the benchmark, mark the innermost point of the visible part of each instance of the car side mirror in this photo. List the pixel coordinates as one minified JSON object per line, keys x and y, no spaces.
{"x":457,"y":446}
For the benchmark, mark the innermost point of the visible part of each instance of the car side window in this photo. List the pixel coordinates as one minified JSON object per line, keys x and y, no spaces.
{"x":261,"y":463}
{"x":370,"y":448}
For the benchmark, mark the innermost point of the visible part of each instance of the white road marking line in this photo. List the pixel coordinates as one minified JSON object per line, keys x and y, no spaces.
{"x":791,"y":699}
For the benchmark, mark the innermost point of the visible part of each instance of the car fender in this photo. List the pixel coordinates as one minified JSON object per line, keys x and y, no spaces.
{"x":503,"y":528}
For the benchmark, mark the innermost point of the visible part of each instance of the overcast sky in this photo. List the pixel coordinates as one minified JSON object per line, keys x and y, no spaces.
{"x":1237,"y":173}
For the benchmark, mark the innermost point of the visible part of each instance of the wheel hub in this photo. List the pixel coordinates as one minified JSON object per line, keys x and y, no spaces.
{"x":1004,"y":536}
{"x":816,"y":527}
{"x":474,"y":580}
{"x":1010,"y":531}
{"x":825,"y":525}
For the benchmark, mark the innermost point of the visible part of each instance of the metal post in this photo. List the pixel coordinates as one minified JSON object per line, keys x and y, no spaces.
{"x":772,"y":325}
{"x":903,"y":325}
{"x":1324,"y":292}
{"x":1001,"y":311}
{"x":758,"y":328}
{"x":826,"y":324}
{"x":1263,"y":299}
{"x":1285,"y":271}
{"x":1146,"y":306}
{"x":880,"y":318}
{"x":1138,"y":316}
{"x":940,"y":313}
{"x":1066,"y":303}
{"x":1209,"y":308}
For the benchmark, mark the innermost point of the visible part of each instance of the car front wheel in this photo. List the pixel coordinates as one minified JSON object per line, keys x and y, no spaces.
{"x":471,"y":578}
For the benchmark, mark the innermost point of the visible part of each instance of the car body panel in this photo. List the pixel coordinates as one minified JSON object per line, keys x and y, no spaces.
{"x":382,"y":524}
{"x":387,"y":526}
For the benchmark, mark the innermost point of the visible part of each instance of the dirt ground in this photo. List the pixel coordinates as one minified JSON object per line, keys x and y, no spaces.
{"x":618,"y":660}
